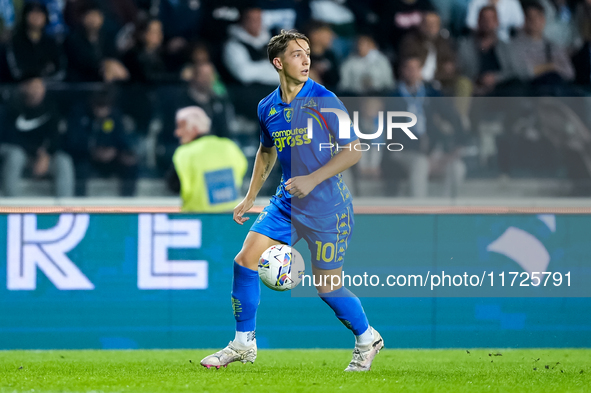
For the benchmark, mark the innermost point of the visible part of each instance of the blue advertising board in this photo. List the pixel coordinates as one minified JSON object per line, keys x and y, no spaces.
{"x":71,"y":281}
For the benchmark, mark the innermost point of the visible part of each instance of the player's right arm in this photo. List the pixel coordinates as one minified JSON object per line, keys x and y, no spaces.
{"x":263,"y":164}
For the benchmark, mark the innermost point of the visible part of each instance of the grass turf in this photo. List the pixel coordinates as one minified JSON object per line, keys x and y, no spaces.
{"x":454,"y":370}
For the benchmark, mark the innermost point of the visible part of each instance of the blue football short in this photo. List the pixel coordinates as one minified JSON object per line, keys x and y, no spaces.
{"x":327,"y":236}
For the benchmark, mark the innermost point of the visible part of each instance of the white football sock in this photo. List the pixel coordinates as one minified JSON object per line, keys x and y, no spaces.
{"x":364,"y":338}
{"x":246,"y":339}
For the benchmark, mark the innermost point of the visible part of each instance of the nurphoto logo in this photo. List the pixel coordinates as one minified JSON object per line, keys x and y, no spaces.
{"x":345,"y":124}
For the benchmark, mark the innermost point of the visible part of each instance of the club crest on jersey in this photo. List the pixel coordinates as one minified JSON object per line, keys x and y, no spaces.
{"x":288,"y":113}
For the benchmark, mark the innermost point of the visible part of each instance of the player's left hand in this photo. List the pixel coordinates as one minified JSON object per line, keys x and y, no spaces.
{"x":300,"y":186}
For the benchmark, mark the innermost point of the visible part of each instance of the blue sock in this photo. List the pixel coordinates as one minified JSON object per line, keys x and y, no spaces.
{"x":246,"y":295}
{"x":347,"y":308}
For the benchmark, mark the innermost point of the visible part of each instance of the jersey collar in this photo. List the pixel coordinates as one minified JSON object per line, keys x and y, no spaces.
{"x":303,"y":92}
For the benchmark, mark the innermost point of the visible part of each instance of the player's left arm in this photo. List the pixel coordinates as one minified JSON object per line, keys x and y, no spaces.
{"x":301,"y":186}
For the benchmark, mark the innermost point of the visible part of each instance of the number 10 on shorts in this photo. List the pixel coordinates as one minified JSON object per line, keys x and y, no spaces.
{"x":325,"y":250}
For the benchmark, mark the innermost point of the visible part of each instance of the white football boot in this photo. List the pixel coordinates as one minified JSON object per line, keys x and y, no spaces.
{"x":232,"y":353}
{"x":363,"y":356}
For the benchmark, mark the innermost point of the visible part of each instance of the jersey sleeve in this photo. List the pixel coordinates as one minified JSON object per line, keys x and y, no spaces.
{"x":266,"y":139}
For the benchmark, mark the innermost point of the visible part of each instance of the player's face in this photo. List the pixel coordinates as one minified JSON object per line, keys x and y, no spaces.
{"x":296,"y":61}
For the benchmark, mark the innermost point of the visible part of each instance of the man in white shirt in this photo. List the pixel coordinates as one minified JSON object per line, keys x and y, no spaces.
{"x":245,"y":53}
{"x":367,"y":71}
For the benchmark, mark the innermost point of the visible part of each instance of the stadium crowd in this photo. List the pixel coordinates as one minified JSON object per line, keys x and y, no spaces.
{"x":91,"y":87}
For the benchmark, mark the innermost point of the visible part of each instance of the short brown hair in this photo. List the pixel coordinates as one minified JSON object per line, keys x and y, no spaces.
{"x":278,"y":43}
{"x":487,"y":8}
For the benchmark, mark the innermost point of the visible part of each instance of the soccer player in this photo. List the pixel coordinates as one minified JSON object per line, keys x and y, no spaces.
{"x":312,"y":202}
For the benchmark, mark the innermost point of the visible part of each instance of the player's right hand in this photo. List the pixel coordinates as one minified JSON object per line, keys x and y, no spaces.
{"x":243,"y":207}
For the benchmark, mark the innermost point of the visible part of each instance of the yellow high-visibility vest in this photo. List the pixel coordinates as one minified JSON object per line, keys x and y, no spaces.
{"x":211,"y":170}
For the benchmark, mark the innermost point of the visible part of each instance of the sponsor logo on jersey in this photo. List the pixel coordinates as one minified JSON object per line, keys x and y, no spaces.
{"x":291,"y":138}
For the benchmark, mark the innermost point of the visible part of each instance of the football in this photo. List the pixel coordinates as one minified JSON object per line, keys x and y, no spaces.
{"x":281,"y":267}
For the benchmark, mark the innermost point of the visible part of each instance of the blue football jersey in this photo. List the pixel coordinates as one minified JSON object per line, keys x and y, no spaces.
{"x":285,"y":127}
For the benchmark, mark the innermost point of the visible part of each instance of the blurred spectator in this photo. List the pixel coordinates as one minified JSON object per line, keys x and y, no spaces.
{"x":561,"y":28}
{"x":98,"y":144}
{"x":430,"y":44}
{"x":208,"y":170}
{"x":439,"y":131}
{"x":200,"y":55}
{"x":245,"y":53}
{"x":31,"y":52}
{"x":453,"y":84}
{"x":147,"y":61}
{"x":399,"y":17}
{"x":56,"y":26}
{"x":368,"y":71}
{"x":486,"y":60}
{"x":200,"y":93}
{"x":31,"y":137}
{"x":118,"y":24}
{"x":92,"y":57}
{"x":582,"y":58}
{"x":509,"y":12}
{"x":547,"y":63}
{"x":324,"y":67}
{"x":343,"y":17}
{"x":181,"y":20}
{"x":116,"y":13}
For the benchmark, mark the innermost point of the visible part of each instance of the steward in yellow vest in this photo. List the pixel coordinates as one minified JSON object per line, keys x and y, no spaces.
{"x":210,"y":169}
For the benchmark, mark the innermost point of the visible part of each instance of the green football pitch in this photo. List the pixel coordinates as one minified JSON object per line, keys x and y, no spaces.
{"x":152,"y":371}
